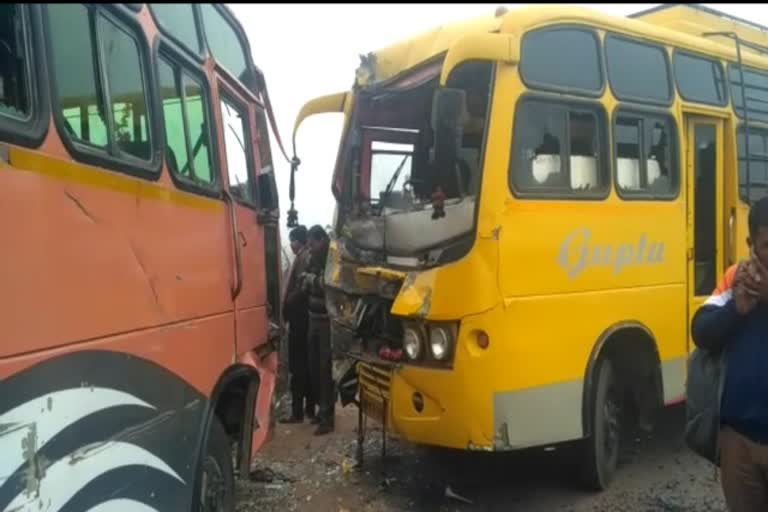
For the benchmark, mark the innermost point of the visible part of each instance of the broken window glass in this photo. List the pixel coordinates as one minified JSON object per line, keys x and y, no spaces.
{"x":14,"y":77}
{"x":556,"y":150}
{"x":645,"y":155}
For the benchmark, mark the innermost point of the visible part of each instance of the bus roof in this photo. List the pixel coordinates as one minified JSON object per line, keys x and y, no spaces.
{"x":668,"y":25}
{"x":413,"y":51}
{"x":696,"y":19}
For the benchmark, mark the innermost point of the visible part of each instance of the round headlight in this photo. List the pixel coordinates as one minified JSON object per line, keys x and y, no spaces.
{"x":412,"y":343}
{"x":439,"y":342}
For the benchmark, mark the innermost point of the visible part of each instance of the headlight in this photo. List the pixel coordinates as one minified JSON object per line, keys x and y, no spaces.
{"x":412,"y":343}
{"x":440,"y":342}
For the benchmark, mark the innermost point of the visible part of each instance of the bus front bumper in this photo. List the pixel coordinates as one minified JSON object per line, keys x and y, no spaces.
{"x":428,"y":413}
{"x":436,"y":407}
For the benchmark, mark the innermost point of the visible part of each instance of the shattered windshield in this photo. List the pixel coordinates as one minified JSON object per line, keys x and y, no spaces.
{"x":398,"y":200}
{"x":395,"y":166}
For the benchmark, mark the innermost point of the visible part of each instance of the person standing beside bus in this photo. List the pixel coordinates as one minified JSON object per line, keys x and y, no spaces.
{"x":296,"y":315}
{"x":320,"y":359}
{"x":735,"y":319}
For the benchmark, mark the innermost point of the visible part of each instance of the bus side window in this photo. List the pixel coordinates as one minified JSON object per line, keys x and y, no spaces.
{"x":556,"y":150}
{"x":187,"y":140}
{"x":87,"y":105}
{"x":14,"y":79}
{"x":236,"y":143}
{"x":758,"y":167}
{"x":627,"y":137}
{"x":644,"y":156}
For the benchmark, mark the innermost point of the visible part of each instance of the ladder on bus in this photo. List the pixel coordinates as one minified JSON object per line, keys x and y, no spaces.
{"x":761,"y":157}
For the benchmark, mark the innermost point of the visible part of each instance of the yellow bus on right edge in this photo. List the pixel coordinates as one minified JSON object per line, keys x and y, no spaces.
{"x":530,"y":208}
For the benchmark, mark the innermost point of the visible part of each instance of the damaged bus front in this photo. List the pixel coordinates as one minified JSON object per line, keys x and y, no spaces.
{"x":407,"y":184}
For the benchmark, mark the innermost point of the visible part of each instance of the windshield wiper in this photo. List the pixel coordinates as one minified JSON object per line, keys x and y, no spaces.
{"x":391,"y":184}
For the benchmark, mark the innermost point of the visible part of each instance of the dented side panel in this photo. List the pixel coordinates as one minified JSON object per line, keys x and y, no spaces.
{"x":102,"y":253}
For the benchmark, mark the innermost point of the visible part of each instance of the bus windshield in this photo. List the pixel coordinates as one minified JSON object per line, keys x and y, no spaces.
{"x":391,"y":188}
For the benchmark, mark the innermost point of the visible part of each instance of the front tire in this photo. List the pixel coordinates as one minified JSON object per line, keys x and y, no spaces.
{"x":216,"y":490}
{"x":601,"y":448}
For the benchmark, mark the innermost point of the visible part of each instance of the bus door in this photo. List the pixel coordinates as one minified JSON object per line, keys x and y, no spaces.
{"x":707,"y":224}
{"x":239,"y":156}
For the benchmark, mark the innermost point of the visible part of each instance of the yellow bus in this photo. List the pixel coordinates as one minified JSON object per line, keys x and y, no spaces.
{"x":530,"y":207}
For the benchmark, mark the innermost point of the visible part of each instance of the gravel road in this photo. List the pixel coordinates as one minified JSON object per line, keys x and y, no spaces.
{"x":297,"y":471}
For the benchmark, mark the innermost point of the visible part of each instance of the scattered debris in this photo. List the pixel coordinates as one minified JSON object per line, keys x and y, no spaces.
{"x":297,"y":472}
{"x":452,"y":495}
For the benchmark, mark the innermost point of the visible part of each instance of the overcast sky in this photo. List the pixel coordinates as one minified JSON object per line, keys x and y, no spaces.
{"x":307,"y":51}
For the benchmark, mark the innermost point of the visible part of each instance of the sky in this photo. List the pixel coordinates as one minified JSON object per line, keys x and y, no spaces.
{"x":309,"y":50}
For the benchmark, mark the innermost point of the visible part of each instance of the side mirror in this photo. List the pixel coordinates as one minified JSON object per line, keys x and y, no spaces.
{"x":447,"y":111}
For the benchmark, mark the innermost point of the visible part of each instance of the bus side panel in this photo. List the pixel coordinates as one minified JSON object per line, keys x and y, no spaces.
{"x":263,"y":412}
{"x":570,"y":272}
{"x":96,"y":253}
{"x":539,"y":350}
{"x":100,"y":417}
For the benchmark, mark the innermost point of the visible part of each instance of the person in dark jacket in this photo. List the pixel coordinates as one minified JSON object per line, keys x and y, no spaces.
{"x":735,"y":319}
{"x":320,"y":360}
{"x":296,"y":315}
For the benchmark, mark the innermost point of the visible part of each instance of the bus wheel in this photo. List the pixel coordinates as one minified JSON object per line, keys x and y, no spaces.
{"x":601,"y":449}
{"x":217,"y":483}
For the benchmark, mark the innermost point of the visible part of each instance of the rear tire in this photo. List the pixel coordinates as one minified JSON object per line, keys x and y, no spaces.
{"x":216,"y":490}
{"x":601,"y":448}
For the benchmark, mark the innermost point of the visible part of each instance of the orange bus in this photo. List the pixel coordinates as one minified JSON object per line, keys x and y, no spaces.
{"x":140,"y":257}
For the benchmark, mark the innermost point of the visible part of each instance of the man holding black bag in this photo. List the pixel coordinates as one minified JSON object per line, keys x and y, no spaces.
{"x":731,"y":333}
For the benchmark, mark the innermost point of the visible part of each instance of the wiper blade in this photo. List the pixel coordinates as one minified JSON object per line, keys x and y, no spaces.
{"x":391,"y":183}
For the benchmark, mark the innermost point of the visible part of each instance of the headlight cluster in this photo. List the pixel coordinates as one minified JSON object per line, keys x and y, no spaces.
{"x":436,"y":341}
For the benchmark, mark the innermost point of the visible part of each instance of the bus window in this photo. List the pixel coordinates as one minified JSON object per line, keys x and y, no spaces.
{"x":185,"y":134}
{"x":562,"y":58}
{"x":390,"y":171}
{"x":14,"y":78}
{"x":79,"y":92}
{"x":556,"y":150}
{"x":756,"y":88}
{"x":699,"y":79}
{"x":120,"y":55}
{"x":82,"y":95}
{"x":197,"y":131}
{"x":179,"y":21}
{"x":644,"y":156}
{"x":637,"y":71}
{"x":223,"y":42}
{"x":758,"y":167}
{"x":235,"y":137}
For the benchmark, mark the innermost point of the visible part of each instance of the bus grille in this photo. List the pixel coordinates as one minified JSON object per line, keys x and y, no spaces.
{"x":374,"y":389}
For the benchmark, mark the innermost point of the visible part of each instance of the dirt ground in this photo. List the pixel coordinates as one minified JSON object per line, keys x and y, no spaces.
{"x":299,"y":472}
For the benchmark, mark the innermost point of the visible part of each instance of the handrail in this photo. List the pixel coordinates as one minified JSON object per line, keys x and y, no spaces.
{"x":238,"y":284}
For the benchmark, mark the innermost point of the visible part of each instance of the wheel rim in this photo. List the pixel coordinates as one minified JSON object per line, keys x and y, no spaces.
{"x":213,"y":489}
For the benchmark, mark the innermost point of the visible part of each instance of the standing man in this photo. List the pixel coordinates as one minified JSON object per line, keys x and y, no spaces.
{"x":296,"y":315}
{"x":735,"y":319}
{"x":320,"y":361}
